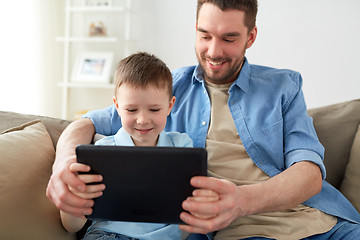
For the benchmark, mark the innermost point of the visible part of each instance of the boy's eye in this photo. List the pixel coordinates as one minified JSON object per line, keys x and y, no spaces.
{"x":154,"y":110}
{"x":131,"y":110}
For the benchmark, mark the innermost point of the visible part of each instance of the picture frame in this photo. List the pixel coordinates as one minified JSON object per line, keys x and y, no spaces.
{"x":93,"y":67}
{"x":97,"y":29}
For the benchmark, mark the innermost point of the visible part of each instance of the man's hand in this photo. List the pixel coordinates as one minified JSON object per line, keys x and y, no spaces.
{"x":58,"y":192}
{"x":286,"y":190}
{"x":224,"y":211}
{"x":78,"y":132}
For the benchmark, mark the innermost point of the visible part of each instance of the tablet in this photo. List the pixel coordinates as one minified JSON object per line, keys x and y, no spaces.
{"x":143,"y":184}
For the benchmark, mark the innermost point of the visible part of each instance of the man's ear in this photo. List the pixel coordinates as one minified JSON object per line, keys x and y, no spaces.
{"x":251,"y":37}
{"x":171,"y":104}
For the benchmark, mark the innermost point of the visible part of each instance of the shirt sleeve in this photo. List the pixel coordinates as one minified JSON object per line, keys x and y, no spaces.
{"x":300,"y":139}
{"x":106,"y":121}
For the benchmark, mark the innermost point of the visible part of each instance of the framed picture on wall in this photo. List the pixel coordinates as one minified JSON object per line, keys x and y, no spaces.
{"x":93,"y":67}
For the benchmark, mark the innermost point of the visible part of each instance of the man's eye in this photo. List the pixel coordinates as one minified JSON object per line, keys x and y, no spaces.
{"x":229,"y":40}
{"x":205,"y":37}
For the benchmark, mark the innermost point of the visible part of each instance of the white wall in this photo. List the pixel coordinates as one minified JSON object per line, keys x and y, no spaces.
{"x":318,"y":38}
{"x":19,"y":47}
{"x":29,"y":57}
{"x":166,"y":28}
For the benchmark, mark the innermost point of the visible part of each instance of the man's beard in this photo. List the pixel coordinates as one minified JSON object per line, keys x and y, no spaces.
{"x":229,"y":76}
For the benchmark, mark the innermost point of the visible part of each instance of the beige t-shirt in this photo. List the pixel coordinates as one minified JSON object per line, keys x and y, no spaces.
{"x":227,"y":159}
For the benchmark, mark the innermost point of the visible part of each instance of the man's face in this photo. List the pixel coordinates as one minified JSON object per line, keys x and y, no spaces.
{"x":221,"y":41}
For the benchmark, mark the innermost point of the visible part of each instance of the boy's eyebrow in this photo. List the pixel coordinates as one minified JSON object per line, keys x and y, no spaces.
{"x":229,"y":34}
{"x":155,"y":105}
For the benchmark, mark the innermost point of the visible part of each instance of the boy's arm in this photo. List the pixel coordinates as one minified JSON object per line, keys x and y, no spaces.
{"x":71,"y":223}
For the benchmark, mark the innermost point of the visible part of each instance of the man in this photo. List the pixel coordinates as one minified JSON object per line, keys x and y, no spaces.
{"x":265,"y":160}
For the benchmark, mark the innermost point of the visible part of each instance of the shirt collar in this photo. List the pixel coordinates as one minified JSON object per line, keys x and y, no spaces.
{"x":242,"y":81}
{"x":164,"y":140}
{"x":122,"y":138}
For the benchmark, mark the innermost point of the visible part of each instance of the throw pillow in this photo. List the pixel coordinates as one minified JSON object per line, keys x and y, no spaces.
{"x":350,"y":186}
{"x":26,"y":157}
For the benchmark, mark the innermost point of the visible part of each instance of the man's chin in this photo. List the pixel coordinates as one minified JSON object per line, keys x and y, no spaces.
{"x":214,"y":78}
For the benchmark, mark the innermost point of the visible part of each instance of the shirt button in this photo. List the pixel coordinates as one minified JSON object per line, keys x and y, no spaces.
{"x":203,"y":123}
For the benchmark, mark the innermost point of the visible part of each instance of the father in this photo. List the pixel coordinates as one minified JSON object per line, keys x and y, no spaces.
{"x":265,"y":160}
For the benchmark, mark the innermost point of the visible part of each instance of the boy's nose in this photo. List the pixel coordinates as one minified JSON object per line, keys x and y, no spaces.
{"x":142,"y":119}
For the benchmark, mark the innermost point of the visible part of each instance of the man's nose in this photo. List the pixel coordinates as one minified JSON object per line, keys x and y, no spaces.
{"x":215,"y":49}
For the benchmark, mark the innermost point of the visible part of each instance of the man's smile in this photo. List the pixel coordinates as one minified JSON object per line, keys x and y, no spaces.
{"x":216,"y":65}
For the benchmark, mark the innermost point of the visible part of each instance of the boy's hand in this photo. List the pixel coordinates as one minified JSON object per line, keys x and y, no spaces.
{"x":204,"y":195}
{"x":91,"y":191}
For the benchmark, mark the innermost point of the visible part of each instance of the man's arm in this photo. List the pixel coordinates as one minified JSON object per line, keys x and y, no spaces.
{"x":78,"y":132}
{"x":283,"y":191}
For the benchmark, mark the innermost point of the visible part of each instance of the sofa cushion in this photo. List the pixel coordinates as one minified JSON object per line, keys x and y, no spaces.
{"x":336,"y":126}
{"x":26,"y":157}
{"x":54,"y":126}
{"x":350,"y":186}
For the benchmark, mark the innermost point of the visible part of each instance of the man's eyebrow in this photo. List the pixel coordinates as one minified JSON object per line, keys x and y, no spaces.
{"x":229,"y":34}
{"x":202,"y":30}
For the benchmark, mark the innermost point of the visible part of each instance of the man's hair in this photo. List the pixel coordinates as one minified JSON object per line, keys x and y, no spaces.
{"x":250,"y":7}
{"x":141,"y":70}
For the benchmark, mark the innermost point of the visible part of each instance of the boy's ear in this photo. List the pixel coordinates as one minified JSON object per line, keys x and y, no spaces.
{"x":171,"y":104}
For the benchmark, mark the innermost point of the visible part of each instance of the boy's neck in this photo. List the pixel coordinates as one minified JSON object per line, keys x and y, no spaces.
{"x":139,"y":144}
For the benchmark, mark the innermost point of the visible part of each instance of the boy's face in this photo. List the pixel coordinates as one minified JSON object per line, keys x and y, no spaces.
{"x":143,"y":112}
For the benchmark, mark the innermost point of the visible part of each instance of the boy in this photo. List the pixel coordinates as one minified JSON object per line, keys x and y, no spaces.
{"x":143,"y":99}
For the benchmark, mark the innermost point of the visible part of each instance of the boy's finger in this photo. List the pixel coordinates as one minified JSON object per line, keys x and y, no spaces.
{"x":205,"y":193}
{"x":79,"y":167}
{"x":88,"y":195}
{"x":95,"y":188}
{"x":204,"y":199}
{"x":90,"y":178}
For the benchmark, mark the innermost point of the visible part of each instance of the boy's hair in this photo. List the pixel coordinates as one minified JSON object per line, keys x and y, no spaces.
{"x":250,"y":7}
{"x":141,"y":70}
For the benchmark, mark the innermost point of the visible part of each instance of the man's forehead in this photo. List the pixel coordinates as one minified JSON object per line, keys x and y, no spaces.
{"x":212,"y":19}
